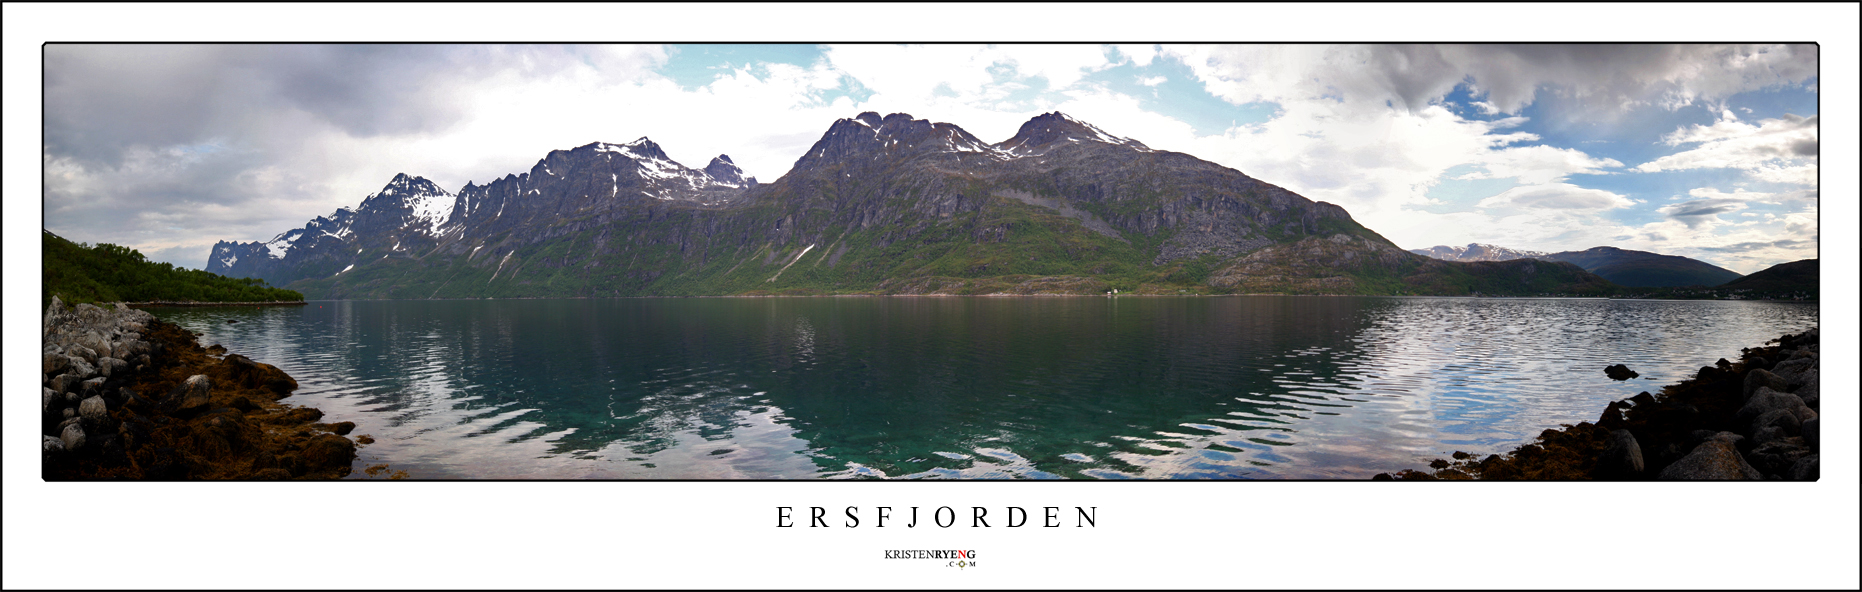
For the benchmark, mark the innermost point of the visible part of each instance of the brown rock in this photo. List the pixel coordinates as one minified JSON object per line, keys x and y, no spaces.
{"x":1712,"y":460}
{"x":112,"y":366}
{"x":191,"y":396}
{"x":1623,"y":459}
{"x":73,"y":436}
{"x":271,"y":474}
{"x":1766,"y":399}
{"x":52,"y":363}
{"x":93,"y":409}
{"x":1777,"y":457}
{"x":297,"y":415}
{"x":249,"y":374}
{"x":1805,"y":469}
{"x":329,"y":453}
{"x":1757,"y":379}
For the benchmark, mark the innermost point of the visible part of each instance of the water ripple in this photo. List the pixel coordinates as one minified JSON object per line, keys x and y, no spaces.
{"x":941,"y":388}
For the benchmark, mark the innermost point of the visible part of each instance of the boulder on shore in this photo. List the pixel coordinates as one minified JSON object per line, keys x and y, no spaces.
{"x":1805,"y":469}
{"x":1752,"y":420}
{"x":73,"y":436}
{"x":220,"y":418}
{"x":1758,"y":379}
{"x":192,"y":395}
{"x":1623,"y":459}
{"x":1714,"y":459}
{"x":1766,"y":400}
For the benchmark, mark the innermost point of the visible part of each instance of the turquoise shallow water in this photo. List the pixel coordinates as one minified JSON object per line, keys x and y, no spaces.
{"x":1134,"y":387}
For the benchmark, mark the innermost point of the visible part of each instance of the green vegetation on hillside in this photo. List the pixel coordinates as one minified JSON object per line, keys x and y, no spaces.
{"x":1797,"y":280}
{"x":77,"y":272}
{"x":1006,"y":247}
{"x":1642,"y":269}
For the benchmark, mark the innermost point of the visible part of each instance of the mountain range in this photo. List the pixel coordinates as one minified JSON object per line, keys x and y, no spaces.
{"x":1476,"y":252}
{"x":1624,"y":267}
{"x":878,"y":205}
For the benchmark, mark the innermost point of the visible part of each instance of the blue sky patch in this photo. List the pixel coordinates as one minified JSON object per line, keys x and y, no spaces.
{"x":698,"y":64}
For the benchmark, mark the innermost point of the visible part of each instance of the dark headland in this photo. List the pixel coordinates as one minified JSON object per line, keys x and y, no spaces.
{"x":128,"y":396}
{"x":1755,"y":419}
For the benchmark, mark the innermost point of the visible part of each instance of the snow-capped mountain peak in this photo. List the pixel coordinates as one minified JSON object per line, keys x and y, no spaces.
{"x":1477,"y":252}
{"x":727,"y":173}
{"x":1049,"y":130}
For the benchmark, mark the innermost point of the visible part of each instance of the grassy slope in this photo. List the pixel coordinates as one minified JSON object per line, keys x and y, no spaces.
{"x":1646,"y":270}
{"x":109,"y":273}
{"x":1664,"y":273}
{"x":1784,"y":277}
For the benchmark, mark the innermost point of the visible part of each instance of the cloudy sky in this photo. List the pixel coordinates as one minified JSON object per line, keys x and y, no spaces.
{"x":1693,"y":150}
{"x":1707,"y":151}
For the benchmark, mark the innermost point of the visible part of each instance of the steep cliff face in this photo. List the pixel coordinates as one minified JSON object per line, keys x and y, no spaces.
{"x":886,"y":204}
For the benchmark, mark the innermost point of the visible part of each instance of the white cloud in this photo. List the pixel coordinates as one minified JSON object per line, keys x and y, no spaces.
{"x":1796,"y":175}
{"x":1556,"y":196}
{"x":1152,"y":81}
{"x":1139,"y":55}
{"x":1800,"y":198}
{"x":913,"y":72}
{"x":1777,"y":150}
{"x":1510,"y":76}
{"x":1361,"y":126}
{"x":1333,"y":137}
{"x":910,"y":73}
{"x":1539,"y":164}
{"x":1061,"y":65}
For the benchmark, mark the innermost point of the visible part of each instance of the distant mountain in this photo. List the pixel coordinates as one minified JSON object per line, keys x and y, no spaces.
{"x":1475,"y":252}
{"x":1796,"y":276}
{"x":1636,"y":269}
{"x":888,"y":205}
{"x":1642,"y":269}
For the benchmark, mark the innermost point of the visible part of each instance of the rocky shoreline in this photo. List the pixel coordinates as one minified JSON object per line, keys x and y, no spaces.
{"x":128,"y":396}
{"x":1755,"y":419}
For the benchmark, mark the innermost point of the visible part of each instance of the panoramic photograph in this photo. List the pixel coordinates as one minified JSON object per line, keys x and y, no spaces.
{"x":1086,"y":261}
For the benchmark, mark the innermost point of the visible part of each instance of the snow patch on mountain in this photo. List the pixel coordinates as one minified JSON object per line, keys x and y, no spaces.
{"x":431,"y":210}
{"x":1098,"y":134}
{"x":1048,"y":130}
{"x":281,"y":244}
{"x":1477,"y":252}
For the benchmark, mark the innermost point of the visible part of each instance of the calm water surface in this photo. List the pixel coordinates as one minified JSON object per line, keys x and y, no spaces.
{"x":795,"y":388}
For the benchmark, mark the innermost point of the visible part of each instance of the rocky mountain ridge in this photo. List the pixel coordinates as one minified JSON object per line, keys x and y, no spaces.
{"x":411,"y":215}
{"x":888,"y":204}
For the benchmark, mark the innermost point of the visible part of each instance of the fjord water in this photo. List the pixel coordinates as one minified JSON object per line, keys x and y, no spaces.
{"x":926,"y":387}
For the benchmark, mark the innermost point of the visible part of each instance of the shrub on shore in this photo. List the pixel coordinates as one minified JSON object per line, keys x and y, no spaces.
{"x":80,"y":273}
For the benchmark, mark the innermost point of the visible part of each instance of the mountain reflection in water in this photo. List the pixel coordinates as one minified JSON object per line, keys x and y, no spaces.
{"x":926,"y":387}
